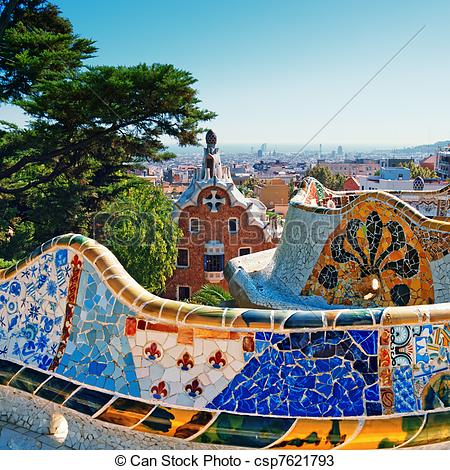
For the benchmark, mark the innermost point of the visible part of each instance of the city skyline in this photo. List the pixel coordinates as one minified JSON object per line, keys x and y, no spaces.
{"x":278,"y":74}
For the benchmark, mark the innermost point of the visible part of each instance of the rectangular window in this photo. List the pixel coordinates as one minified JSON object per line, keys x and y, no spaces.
{"x":194,"y":225}
{"x":214,"y":263}
{"x":233,"y":225}
{"x":183,"y":258}
{"x":184,"y":292}
{"x":244,"y":251}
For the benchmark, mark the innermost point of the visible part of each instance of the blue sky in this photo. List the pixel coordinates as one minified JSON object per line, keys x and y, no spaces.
{"x":276,"y":71}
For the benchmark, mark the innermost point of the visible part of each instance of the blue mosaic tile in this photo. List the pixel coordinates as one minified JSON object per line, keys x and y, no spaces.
{"x":373,"y":408}
{"x":90,"y":349}
{"x":61,"y":258}
{"x":368,"y":340}
{"x":359,"y":317}
{"x":377,"y":314}
{"x":305,"y":381}
{"x":372,"y":393}
{"x":253,"y":316}
{"x":305,"y":320}
{"x":404,"y":400}
{"x":261,"y":346}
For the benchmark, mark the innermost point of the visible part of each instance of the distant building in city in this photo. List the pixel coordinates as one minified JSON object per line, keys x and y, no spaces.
{"x":339,"y":151}
{"x":261,"y":166}
{"x":218,"y":223}
{"x":179,"y":174}
{"x":273,"y":192}
{"x":149,"y":174}
{"x":443,"y":162}
{"x":391,"y":179}
{"x":173,"y":190}
{"x":429,"y":162}
{"x":395,"y":174}
{"x":352,"y":167}
{"x":395,"y":162}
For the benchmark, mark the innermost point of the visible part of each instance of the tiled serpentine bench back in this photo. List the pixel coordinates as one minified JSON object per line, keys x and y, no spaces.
{"x":76,"y":329}
{"x":378,"y":249}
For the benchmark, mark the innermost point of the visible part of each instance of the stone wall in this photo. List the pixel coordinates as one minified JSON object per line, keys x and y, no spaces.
{"x":29,"y":422}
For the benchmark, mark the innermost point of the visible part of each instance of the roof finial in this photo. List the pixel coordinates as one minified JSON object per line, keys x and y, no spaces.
{"x":211,"y":138}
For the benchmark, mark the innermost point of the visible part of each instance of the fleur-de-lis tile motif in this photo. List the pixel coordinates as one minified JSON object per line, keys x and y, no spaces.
{"x":159,"y":391}
{"x":185,"y":362}
{"x":193,"y":389}
{"x":372,"y":261}
{"x":217,"y":360}
{"x":152,"y":352}
{"x":76,"y":262}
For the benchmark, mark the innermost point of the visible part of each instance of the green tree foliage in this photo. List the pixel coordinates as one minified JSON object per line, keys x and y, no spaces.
{"x":211,"y":294}
{"x":88,"y":126}
{"x":417,"y":170}
{"x":6,"y":263}
{"x":249,"y":186}
{"x":37,"y":43}
{"x":327,"y":177}
{"x":138,"y":228}
{"x":5,"y":14}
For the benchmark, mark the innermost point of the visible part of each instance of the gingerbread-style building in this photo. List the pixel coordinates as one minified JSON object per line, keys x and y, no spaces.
{"x":218,"y":223}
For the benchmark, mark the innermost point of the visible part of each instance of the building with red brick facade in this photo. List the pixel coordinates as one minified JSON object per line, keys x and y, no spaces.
{"x":218,"y":223}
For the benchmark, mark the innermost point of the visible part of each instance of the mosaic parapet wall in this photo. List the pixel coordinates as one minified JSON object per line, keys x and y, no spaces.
{"x":430,"y":203}
{"x":366,"y":249}
{"x":77,"y":330}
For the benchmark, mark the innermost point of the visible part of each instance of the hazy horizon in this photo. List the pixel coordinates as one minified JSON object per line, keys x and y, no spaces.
{"x":289,"y":148}
{"x":15,"y":115}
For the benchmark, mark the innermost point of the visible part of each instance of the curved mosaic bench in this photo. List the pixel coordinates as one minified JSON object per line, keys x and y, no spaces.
{"x":363,"y":249}
{"x":76,"y":329}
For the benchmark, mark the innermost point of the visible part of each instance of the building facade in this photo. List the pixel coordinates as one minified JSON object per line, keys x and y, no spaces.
{"x":218,"y":224}
{"x":392,"y":179}
{"x":429,"y":162}
{"x":353,"y":167}
{"x":274,"y":191}
{"x":443,"y":162}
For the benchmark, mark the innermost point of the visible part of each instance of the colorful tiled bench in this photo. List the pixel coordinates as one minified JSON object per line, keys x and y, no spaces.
{"x":77,"y":330}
